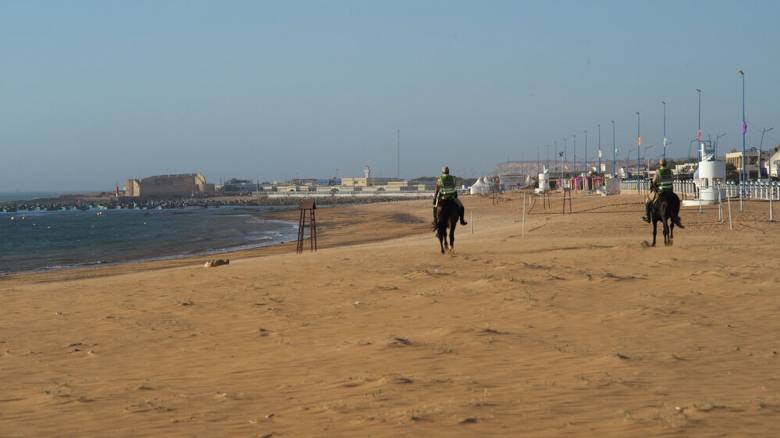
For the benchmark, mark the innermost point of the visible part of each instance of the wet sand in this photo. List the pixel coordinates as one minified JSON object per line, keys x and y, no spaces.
{"x":576,"y":328}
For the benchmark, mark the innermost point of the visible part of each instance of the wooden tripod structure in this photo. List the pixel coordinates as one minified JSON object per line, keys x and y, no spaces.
{"x":307,"y":209}
{"x":566,"y":197}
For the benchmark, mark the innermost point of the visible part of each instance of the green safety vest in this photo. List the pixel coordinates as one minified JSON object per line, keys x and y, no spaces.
{"x":665,"y":180}
{"x":446,"y":184}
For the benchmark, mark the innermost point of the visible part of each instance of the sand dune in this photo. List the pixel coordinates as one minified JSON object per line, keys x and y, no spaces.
{"x":574,"y":328}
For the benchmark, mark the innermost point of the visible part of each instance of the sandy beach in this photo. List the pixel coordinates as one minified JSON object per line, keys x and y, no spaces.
{"x":575,"y":328}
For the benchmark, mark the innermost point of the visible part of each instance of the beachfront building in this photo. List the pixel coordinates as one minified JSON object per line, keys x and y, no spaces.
{"x":774,"y":163}
{"x":237,"y":187}
{"x":169,"y":186}
{"x":365,"y":185}
{"x":752,"y":161}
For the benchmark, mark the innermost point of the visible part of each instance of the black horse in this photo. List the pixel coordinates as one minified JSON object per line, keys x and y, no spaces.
{"x":447,"y":215}
{"x":666,"y":209}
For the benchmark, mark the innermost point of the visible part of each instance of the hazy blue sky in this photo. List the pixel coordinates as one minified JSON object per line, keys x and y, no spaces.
{"x":93,"y":92}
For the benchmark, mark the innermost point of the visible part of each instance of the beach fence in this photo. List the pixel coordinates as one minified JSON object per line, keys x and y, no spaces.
{"x":755,"y":190}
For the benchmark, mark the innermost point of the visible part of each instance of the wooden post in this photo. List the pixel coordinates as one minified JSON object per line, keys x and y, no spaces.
{"x":771,"y":213}
{"x":720,"y":207}
{"x":523,"y":232}
{"x":728,"y":199}
{"x":471,"y":220}
{"x":740,"y":196}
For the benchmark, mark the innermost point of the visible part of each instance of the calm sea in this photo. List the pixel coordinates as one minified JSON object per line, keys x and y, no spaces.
{"x":27,"y":196}
{"x":32,"y":241}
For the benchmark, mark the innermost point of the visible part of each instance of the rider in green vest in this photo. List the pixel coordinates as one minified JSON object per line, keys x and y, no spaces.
{"x":663,"y":182}
{"x":445,"y":189}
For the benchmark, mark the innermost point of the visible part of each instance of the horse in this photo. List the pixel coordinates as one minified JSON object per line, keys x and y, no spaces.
{"x":666,"y":209}
{"x":447,"y":215}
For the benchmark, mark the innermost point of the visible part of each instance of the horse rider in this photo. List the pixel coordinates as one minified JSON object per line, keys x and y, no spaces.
{"x":663,"y":183}
{"x":445,"y":189}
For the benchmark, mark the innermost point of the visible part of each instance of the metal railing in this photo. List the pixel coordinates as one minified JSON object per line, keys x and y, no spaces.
{"x":756,"y":190}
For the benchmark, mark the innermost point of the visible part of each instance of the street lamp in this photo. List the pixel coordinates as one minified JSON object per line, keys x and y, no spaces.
{"x":698,"y":130}
{"x":547,"y":161}
{"x":586,"y":152}
{"x":599,"y":128}
{"x":760,"y":149}
{"x":664,"y":104}
{"x":743,"y":176}
{"x":574,"y":153}
{"x":565,"y":150}
{"x":614,"y":151}
{"x":638,"y":144}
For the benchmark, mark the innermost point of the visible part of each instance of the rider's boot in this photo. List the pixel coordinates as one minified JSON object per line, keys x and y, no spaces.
{"x":462,"y":213}
{"x":646,"y":217}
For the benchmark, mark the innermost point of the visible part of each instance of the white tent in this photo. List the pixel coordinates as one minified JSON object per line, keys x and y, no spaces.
{"x":480,"y":187}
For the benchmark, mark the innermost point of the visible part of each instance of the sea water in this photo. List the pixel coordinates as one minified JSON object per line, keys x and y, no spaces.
{"x":34,"y":241}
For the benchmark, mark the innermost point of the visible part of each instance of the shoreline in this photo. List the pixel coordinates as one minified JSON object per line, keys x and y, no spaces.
{"x":341,"y":216}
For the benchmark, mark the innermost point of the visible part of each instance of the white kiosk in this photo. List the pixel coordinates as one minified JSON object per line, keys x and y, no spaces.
{"x":544,"y":182}
{"x":709,"y":177}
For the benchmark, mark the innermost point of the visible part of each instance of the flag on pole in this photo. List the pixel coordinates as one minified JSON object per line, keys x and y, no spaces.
{"x":744,"y":128}
{"x":599,"y":153}
{"x":560,"y":154}
{"x":698,"y":135}
{"x":639,"y":141}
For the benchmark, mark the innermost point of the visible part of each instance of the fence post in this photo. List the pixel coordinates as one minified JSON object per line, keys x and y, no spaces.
{"x":728,"y":200}
{"x":720,"y":206}
{"x":523,"y":233}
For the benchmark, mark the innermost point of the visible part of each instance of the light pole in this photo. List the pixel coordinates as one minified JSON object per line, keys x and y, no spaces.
{"x":717,"y":141}
{"x":574,"y":154}
{"x":565,"y":150}
{"x":614,"y":151}
{"x":638,"y":144}
{"x":599,"y":169}
{"x":698,"y":130}
{"x":547,"y":161}
{"x":760,"y":149}
{"x":743,"y":175}
{"x":586,"y":152}
{"x":664,"y":104}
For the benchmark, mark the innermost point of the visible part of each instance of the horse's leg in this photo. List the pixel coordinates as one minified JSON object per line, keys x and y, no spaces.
{"x":453,"y":224}
{"x":664,"y":220}
{"x":671,"y":231}
{"x":655,"y":229}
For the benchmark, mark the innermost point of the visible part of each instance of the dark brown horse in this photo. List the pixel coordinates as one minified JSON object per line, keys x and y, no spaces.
{"x":447,"y":215}
{"x":666,"y":210}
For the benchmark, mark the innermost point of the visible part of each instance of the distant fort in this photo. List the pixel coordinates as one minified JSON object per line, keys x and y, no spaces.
{"x":189,"y":185}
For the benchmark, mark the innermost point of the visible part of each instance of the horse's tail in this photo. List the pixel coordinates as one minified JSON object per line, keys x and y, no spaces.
{"x":676,"y":211}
